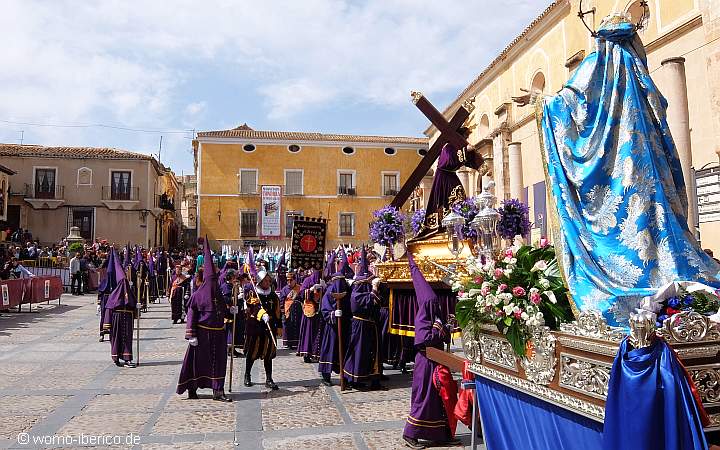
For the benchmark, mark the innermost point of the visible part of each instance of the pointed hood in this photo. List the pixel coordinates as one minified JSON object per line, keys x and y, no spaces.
{"x":363,"y":269}
{"x":311,"y":280}
{"x":123,"y":296}
{"x":329,"y":270}
{"x":251,"y":262}
{"x":209,"y":290}
{"x":345,"y":268}
{"x":110,"y":281}
{"x":428,"y":307}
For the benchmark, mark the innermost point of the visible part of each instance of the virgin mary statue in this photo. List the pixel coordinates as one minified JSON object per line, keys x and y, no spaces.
{"x":620,"y":216}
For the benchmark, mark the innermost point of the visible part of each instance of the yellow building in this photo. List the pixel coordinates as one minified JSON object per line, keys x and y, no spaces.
{"x":342,"y":178}
{"x":682,"y":40}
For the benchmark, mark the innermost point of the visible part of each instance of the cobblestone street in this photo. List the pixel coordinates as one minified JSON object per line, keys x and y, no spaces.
{"x":58,"y":382}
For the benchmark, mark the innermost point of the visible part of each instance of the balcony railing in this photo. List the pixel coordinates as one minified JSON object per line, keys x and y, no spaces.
{"x":343,"y":190}
{"x":391,"y":192}
{"x":45,"y":192}
{"x":127,"y":194}
{"x":164,"y":202}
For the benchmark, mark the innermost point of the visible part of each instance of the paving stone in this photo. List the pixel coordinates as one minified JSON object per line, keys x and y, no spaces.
{"x":106,"y":424}
{"x":300,"y":416}
{"x":378,"y":411}
{"x":31,"y":403}
{"x":191,"y":446}
{"x":195,"y":422}
{"x":122,"y":403}
{"x":330,"y":441}
{"x":14,"y":424}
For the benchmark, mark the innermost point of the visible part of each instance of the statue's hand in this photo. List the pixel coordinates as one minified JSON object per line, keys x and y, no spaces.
{"x":524,"y":99}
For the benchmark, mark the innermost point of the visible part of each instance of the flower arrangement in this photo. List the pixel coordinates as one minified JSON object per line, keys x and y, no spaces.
{"x":468,"y":209}
{"x":513,"y":219}
{"x":523,"y":289}
{"x":416,"y":221}
{"x":388,"y":226}
{"x":699,"y":301}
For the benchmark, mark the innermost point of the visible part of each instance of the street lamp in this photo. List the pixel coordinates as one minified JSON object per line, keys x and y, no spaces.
{"x":485,"y":223}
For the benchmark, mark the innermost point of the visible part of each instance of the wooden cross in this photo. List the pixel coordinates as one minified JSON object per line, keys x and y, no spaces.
{"x":448,"y":134}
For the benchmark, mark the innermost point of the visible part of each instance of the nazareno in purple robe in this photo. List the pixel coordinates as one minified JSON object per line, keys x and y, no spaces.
{"x":120,"y":310}
{"x":311,"y":328}
{"x":205,"y":364}
{"x":427,"y":418}
{"x":107,"y":285}
{"x":292,"y":317}
{"x":362,"y":359}
{"x":329,"y":349}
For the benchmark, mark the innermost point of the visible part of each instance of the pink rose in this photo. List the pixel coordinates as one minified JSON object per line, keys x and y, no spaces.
{"x":544,"y":242}
{"x":518,"y":314}
{"x":500,"y":313}
{"x":484,"y":291}
{"x":518,"y":291}
{"x":503,"y":287}
{"x":461,"y":293}
{"x":535,"y":298}
{"x":478,"y":280}
{"x":498,"y":274}
{"x":509,"y":253}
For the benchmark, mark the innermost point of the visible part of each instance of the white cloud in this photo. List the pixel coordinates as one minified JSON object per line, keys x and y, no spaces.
{"x":128,"y":61}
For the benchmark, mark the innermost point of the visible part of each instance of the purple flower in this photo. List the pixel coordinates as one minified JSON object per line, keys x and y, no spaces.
{"x":673,"y":302}
{"x":387,"y":227}
{"x":688,"y":300}
{"x":513,"y":219}
{"x":416,"y":220}
{"x":468,"y":209}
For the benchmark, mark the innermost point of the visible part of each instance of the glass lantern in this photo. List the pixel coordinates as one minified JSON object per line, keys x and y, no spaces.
{"x":453,"y":223}
{"x":485,"y":224}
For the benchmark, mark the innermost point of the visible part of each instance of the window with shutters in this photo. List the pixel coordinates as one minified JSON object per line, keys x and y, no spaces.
{"x":390,"y":183}
{"x":248,"y":223}
{"x":293,"y":182}
{"x":347,"y":224}
{"x":248,"y":181}
{"x":346,"y":183}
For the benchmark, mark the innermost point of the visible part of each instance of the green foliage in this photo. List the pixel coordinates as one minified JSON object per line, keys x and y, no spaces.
{"x":76,"y":247}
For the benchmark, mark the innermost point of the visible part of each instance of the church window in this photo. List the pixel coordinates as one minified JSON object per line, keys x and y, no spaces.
{"x":390,"y":151}
{"x":293,"y":148}
{"x":347,"y":224}
{"x":248,"y":223}
{"x":249,"y":148}
{"x":293,"y":182}
{"x":348,"y":150}
{"x":248,"y":181}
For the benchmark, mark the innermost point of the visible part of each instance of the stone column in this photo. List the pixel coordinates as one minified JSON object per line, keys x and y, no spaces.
{"x":678,"y":118}
{"x":499,"y":174}
{"x":517,"y":188}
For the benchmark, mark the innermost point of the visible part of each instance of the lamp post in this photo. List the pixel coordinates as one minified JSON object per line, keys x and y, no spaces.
{"x":485,"y":224}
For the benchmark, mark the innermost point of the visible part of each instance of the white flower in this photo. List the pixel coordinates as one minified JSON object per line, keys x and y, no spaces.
{"x":485,"y":285}
{"x":513,"y":261}
{"x":524,"y":316}
{"x":507,"y":272}
{"x":473,"y":292}
{"x":534,"y":290}
{"x":490,"y":299}
{"x":544,"y":283}
{"x":540,"y":265}
{"x":509,"y":309}
{"x":551,"y":296}
{"x":496,"y":300}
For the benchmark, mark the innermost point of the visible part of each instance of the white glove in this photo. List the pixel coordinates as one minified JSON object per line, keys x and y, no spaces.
{"x":233,"y":310}
{"x":338,"y":313}
{"x":193,"y":341}
{"x":138,"y":305}
{"x":97,"y":311}
{"x":240,"y":296}
{"x":187,"y":297}
{"x":266,"y":318}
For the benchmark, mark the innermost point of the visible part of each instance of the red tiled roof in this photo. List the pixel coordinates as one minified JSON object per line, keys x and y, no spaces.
{"x":248,"y":133}
{"x":28,"y":151}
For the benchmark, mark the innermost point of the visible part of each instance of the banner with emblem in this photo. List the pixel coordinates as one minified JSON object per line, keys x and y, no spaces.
{"x":308,"y":243}
{"x":270,"y":215}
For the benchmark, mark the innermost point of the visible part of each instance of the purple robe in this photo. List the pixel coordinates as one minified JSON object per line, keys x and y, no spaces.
{"x":107,"y":285}
{"x":362,"y":358}
{"x":446,"y":190}
{"x":205,"y":364}
{"x":329,"y":348}
{"x":120,"y":310}
{"x":427,"y":419}
{"x":310,"y":337}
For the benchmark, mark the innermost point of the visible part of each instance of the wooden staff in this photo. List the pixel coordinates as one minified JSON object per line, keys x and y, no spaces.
{"x":231,"y":353}
{"x":341,"y":353}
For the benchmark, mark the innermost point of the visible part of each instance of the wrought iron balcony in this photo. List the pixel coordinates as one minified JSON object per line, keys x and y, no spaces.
{"x":164,"y":202}
{"x":44,"y":192}
{"x":130,"y":193}
{"x":343,"y":190}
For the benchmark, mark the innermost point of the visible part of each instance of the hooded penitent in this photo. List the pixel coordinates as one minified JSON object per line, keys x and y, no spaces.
{"x":427,"y":418}
{"x":311,"y":323}
{"x":123,"y":296}
{"x":338,"y":291}
{"x":345,"y":268}
{"x":107,"y":285}
{"x":120,"y":309}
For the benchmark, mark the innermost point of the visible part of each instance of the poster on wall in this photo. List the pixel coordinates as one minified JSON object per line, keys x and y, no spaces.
{"x":271,"y":210}
{"x":308,"y":243}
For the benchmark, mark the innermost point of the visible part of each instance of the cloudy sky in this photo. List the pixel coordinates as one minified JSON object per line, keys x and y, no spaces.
{"x":123,"y":73}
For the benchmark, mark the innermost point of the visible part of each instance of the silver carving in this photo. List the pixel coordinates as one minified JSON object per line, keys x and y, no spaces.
{"x":471,"y":346}
{"x":592,"y":324}
{"x":714,"y":422}
{"x":540,"y":367}
{"x":560,"y":399}
{"x":585,"y":375}
{"x":688,"y":326}
{"x":497,"y":351}
{"x":642,"y":329}
{"x":707,"y":381}
{"x":588,"y":346}
{"x":705,"y":351}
